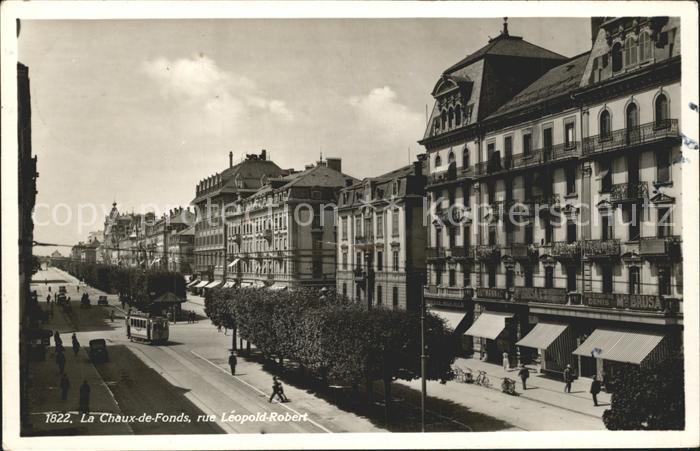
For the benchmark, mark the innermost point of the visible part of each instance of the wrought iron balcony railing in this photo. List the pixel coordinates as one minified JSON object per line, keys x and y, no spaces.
{"x":600,"y":249}
{"x":488,"y":252}
{"x":435,"y":253}
{"x":535,"y":157}
{"x":566,"y":251}
{"x":522,"y":251}
{"x":643,"y":134}
{"x":629,"y":192}
{"x":463,"y":252}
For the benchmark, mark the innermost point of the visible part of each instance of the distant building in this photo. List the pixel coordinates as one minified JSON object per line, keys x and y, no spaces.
{"x":381,"y":239}
{"x":181,"y":251}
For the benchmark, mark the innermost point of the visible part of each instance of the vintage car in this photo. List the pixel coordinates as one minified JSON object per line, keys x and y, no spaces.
{"x":97,"y":351}
{"x":62,"y":289}
{"x":102,"y":300}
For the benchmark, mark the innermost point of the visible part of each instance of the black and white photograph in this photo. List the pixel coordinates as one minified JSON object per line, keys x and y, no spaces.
{"x":287,"y":225}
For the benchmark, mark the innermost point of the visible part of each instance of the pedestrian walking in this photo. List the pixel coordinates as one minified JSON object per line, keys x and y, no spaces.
{"x":78,"y":288}
{"x":232,"y":361}
{"x":65,"y":385}
{"x":524,"y":373}
{"x":84,"y":398}
{"x":568,"y":378}
{"x":111,"y":316}
{"x":49,"y":288}
{"x":56,"y":338}
{"x":76,"y":345}
{"x":506,"y":362}
{"x":60,"y":361}
{"x":595,"y":389}
{"x":278,"y":390}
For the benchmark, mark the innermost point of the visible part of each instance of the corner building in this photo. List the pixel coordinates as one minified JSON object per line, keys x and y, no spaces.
{"x":549,"y":240}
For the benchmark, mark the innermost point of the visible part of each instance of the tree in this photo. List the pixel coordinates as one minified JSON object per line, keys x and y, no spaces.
{"x":648,"y":398}
{"x":36,"y":264}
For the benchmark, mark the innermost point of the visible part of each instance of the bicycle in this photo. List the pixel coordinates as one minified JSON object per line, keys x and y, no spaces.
{"x":482,"y":379}
{"x":508,"y":386}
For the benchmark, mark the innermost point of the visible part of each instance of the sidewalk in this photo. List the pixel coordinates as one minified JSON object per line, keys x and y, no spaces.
{"x":543,"y":389}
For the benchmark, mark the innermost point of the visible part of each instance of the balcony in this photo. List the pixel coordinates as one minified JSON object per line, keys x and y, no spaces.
{"x":522,"y":251}
{"x":364,"y":241}
{"x":629,"y":192}
{"x":666,"y":247}
{"x":435,"y":253}
{"x":488,"y":253}
{"x":601,"y":249}
{"x":535,"y":157}
{"x":434,"y":291}
{"x":463,"y":252}
{"x":562,"y":250}
{"x":618,"y":139}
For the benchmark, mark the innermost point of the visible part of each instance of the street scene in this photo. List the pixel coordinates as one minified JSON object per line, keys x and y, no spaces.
{"x":334,"y":226}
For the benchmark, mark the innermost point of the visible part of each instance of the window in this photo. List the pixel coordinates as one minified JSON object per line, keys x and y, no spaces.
{"x":358,"y":292}
{"x":492,"y":235}
{"x":458,"y":116}
{"x":663,"y":165}
{"x":644,"y":47}
{"x":438,"y":274}
{"x":548,"y":231}
{"x":358,"y":227}
{"x":450,"y":158}
{"x":607,"y":232}
{"x":490,"y":151}
{"x":345,"y":289}
{"x":452,"y":277}
{"x":632,"y":123}
{"x":529,"y":234}
{"x":395,"y":260}
{"x":661,"y":111}
{"x":634,"y":280}
{"x":508,"y":151}
{"x":466,"y":274}
{"x":630,"y":52}
{"x":571,"y":278}
{"x":345,"y":260}
{"x":616,"y":55}
{"x":395,"y":297}
{"x":570,"y":172}
{"x":663,"y":222}
{"x":443,"y":118}
{"x":570,"y":231}
{"x":569,"y":135}
{"x":510,"y":278}
{"x":467,"y":236}
{"x":468,"y":118}
{"x":492,"y":276}
{"x":395,"y":223}
{"x":438,"y":161}
{"x":607,"y":279}
{"x":664,"y":280}
{"x":380,"y":225}
{"x":527,"y":143}
{"x":344,"y":227}
{"x":465,"y":157}
{"x":605,"y":176}
{"x":358,"y":260}
{"x":632,"y":216}
{"x":528,"y":276}
{"x":380,"y":261}
{"x":451,"y":234}
{"x":379,"y":295}
{"x":547,"y":138}
{"x":549,"y":277}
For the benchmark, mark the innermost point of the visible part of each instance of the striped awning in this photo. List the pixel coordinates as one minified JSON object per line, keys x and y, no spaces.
{"x":258,"y":284}
{"x":246,"y":284}
{"x":213,"y":284}
{"x":193,"y":283}
{"x":620,"y":346}
{"x":451,"y":317}
{"x":228,"y":284}
{"x":202,"y":284}
{"x":234,"y":262}
{"x":489,"y":325}
{"x":277,"y":286}
{"x":543,"y":335}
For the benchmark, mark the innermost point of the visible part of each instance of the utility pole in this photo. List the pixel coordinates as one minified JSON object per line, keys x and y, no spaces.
{"x":423,"y":362}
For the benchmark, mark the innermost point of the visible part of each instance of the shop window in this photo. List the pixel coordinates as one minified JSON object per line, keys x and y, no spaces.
{"x":549,"y":277}
{"x":635,"y":282}
{"x":607,"y":278}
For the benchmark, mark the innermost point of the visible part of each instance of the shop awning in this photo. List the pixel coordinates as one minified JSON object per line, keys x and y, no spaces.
{"x":620,"y":346}
{"x":193,"y":283}
{"x":258,"y":284}
{"x":228,"y":284}
{"x":246,"y":284}
{"x":277,"y":286}
{"x":213,"y":284}
{"x":202,"y":284}
{"x":489,"y":325}
{"x":452,"y":318}
{"x":543,"y":335}
{"x":234,"y":263}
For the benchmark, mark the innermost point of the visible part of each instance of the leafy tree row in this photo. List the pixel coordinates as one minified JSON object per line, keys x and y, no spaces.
{"x":136,"y":286}
{"x":334,"y":339}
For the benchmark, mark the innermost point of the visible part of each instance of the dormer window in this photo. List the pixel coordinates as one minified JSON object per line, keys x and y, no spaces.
{"x":644,"y":47}
{"x":458,"y":116}
{"x":443,"y":118}
{"x":630,"y":52}
{"x":616,"y":57}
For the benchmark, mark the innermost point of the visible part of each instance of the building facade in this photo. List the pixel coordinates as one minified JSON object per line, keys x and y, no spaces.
{"x":553,"y":217}
{"x":381,"y":239}
{"x":283,"y":235}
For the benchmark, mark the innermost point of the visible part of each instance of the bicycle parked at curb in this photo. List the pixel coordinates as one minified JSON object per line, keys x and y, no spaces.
{"x":482,"y":379}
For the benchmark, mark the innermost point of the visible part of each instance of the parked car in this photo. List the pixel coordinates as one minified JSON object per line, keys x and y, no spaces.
{"x":98,"y":351}
{"x":62,"y":289}
{"x":102,"y":300}
{"x":38,"y":342}
{"x":61,"y":299}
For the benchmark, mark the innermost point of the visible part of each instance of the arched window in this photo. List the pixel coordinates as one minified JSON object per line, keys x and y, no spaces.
{"x":616,"y":57}
{"x":632,"y":123}
{"x":458,"y":116}
{"x":630,"y":52}
{"x":605,"y":128}
{"x":644,"y":47}
{"x":451,"y":117}
{"x":438,"y":161}
{"x":444,"y":119}
{"x":661,"y":111}
{"x":451,"y":158}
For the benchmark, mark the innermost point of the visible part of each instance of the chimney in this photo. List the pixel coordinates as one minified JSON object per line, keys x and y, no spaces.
{"x":263,"y":155}
{"x":418,"y":168}
{"x":596,"y":22}
{"x":334,"y":163}
{"x":230,"y":159}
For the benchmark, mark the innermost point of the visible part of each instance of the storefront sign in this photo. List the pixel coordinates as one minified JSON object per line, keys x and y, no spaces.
{"x":494,"y":293}
{"x":538,"y":294}
{"x":624,"y":301}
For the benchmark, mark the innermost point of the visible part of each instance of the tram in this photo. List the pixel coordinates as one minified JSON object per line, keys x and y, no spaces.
{"x":146,"y":328}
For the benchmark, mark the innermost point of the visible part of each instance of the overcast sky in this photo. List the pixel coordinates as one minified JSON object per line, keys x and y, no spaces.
{"x":139,"y":111}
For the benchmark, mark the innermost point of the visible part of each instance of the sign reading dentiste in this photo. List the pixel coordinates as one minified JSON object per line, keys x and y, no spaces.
{"x":646,"y":302}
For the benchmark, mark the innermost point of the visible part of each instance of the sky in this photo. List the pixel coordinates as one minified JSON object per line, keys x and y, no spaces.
{"x":138,"y":111}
